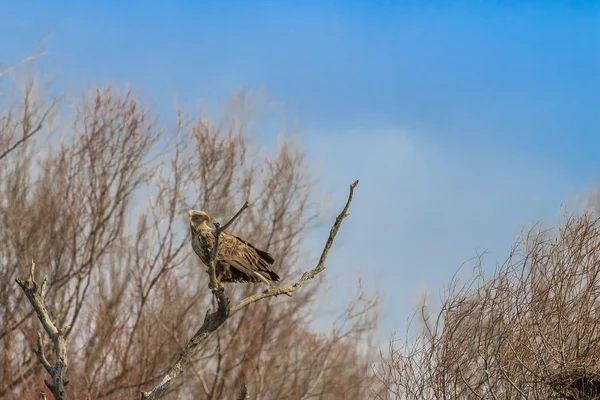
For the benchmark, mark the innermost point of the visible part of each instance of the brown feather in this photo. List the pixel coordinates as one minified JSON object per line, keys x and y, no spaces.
{"x":236,"y":258}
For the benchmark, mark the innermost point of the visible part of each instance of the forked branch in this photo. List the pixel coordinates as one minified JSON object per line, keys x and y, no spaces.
{"x":36,"y":296}
{"x":214,"y":320}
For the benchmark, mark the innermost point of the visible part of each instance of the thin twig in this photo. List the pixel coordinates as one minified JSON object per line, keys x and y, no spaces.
{"x":236,"y":216}
{"x":32,"y":56}
{"x":30,"y":133}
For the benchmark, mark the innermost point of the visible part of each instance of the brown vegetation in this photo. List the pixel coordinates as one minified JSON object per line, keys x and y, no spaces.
{"x":531,"y":331}
{"x":100,"y":203}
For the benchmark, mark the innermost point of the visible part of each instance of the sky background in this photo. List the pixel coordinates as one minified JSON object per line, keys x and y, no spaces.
{"x":464,"y":121}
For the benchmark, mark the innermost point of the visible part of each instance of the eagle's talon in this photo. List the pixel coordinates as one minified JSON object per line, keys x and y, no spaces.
{"x":216,"y":288}
{"x":219,"y":289}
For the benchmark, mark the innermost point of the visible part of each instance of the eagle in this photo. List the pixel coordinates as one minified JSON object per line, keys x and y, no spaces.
{"x":237,"y":260}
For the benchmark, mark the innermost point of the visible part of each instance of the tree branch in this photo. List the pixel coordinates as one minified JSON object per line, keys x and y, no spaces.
{"x":288,"y":290}
{"x":29,"y":134}
{"x":36,"y":297}
{"x":214,"y":320}
{"x":217,"y":288}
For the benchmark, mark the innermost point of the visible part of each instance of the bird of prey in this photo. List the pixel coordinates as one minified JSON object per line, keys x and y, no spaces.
{"x":237,"y":260}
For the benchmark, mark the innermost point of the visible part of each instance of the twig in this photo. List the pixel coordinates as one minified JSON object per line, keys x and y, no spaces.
{"x":232,"y":220}
{"x":36,"y":297}
{"x":214,"y":320}
{"x":30,"y":133}
{"x":33,"y":55}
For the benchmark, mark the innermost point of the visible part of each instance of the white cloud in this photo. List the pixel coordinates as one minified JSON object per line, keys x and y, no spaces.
{"x":421,"y":210}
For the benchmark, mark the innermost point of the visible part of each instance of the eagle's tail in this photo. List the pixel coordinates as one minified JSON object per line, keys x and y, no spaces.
{"x":267,"y":260}
{"x":270,"y":275}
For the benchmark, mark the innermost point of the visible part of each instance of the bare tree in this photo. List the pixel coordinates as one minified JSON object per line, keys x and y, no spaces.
{"x":530,"y":331}
{"x":100,"y":204}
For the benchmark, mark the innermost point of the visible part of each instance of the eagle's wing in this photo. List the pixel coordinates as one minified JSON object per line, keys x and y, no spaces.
{"x":261,"y":253}
{"x":246,"y":258}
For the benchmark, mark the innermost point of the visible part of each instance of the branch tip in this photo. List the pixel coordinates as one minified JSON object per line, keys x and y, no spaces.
{"x":32,"y":270}
{"x":44,"y":284}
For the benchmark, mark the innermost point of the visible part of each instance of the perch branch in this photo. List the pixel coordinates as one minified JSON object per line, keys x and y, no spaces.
{"x":217,"y":288}
{"x":214,"y":320}
{"x":36,"y":297}
{"x":288,"y":290}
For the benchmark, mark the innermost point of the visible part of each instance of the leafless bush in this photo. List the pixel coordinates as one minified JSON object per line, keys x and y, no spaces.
{"x":531,"y":331}
{"x":103,"y":214}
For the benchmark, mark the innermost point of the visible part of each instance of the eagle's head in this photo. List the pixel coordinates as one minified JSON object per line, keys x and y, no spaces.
{"x":198,"y":218}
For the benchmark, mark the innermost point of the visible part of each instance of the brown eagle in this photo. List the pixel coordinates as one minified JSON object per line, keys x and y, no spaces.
{"x":237,"y":260}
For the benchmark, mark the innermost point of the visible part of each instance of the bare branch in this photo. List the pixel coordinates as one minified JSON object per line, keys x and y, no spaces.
{"x":39,"y":51}
{"x":288,"y":290}
{"x":40,"y":353}
{"x":232,"y":220}
{"x":218,"y":290}
{"x":215,"y":319}
{"x":57,"y":371}
{"x":28,"y":135}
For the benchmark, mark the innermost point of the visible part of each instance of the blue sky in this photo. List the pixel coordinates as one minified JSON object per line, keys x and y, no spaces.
{"x":464,"y":121}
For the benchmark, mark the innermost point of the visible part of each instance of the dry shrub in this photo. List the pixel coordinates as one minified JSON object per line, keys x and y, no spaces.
{"x":531,"y":331}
